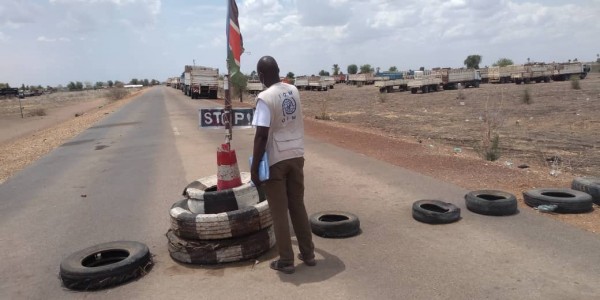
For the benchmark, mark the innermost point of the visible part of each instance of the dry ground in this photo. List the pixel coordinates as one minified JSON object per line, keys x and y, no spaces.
{"x":423,"y":133}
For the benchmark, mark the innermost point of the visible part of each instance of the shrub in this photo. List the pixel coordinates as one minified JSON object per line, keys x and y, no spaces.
{"x":492,"y":152}
{"x":575,"y":83}
{"x":117,"y":93}
{"x":526,"y":97}
{"x":38,"y":112}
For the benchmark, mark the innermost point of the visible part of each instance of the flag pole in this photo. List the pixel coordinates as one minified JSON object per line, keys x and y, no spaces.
{"x":227,"y":85}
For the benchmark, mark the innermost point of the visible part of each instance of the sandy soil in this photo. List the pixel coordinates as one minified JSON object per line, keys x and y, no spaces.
{"x":427,"y":133}
{"x":24,"y":140}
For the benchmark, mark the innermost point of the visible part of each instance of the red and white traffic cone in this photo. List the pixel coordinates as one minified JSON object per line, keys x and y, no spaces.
{"x":228,"y":173}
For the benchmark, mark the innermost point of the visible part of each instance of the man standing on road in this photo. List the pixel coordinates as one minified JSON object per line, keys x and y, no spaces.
{"x":280,"y":132}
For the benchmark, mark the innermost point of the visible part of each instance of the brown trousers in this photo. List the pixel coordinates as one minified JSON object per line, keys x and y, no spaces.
{"x":285,"y":192}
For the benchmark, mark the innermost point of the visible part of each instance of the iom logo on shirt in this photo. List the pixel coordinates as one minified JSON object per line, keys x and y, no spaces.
{"x":288,"y":105}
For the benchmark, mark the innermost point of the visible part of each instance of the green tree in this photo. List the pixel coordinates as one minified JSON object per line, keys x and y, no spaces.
{"x":503,"y":62}
{"x":154,"y":82}
{"x":290,"y":75}
{"x":393,"y":69}
{"x":323,"y":73}
{"x":252,"y":74}
{"x":366,"y":68}
{"x":110,"y":83}
{"x":119,"y":84}
{"x":146,"y":82}
{"x":472,"y":61}
{"x":99,"y":84}
{"x":79,"y":85}
{"x":352,"y":69}
{"x":336,"y":69}
{"x":134,"y":81}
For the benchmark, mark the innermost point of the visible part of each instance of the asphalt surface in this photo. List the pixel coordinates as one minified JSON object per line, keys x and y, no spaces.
{"x":118,"y":179}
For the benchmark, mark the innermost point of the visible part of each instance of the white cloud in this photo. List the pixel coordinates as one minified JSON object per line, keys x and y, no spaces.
{"x":52,"y":40}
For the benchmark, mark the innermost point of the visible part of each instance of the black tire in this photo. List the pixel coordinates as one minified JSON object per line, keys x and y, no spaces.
{"x":205,"y":199}
{"x":492,"y":203}
{"x":210,"y":252}
{"x":105,"y":265}
{"x":235,"y":223}
{"x":334,"y":224}
{"x":566,"y":200}
{"x":413,"y":90}
{"x":476,"y":84}
{"x":588,"y":185}
{"x":435,"y":212}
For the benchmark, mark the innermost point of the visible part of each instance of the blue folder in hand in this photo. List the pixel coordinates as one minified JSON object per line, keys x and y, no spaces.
{"x":263,"y":167}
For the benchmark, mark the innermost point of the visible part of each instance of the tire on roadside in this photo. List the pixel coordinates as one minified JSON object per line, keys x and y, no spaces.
{"x":435,"y":212}
{"x":334,"y":224}
{"x":588,"y":185}
{"x":566,"y":200}
{"x":491,"y":202}
{"x":209,"y":252}
{"x":105,"y":265}
{"x":203,"y":197}
{"x":189,"y":225}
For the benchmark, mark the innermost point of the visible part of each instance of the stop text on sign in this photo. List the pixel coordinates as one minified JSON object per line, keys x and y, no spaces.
{"x":215,"y":117}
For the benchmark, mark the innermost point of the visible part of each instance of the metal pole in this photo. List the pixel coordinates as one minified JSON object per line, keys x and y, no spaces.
{"x":21,"y":105}
{"x":227,"y":112}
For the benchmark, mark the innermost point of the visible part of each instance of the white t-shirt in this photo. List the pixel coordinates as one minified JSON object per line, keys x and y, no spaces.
{"x":262,"y":114}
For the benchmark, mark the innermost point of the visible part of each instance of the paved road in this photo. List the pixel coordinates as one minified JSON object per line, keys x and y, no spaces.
{"x":133,"y":165}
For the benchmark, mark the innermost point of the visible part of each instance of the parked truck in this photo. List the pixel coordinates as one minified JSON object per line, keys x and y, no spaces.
{"x":533,"y":72}
{"x":204,"y":82}
{"x":388,"y":82}
{"x":360,"y":79}
{"x":453,"y":78}
{"x":301,"y":82}
{"x":340,"y":78}
{"x":187,"y":81}
{"x":564,"y":71}
{"x":254,"y":87}
{"x":425,"y":81}
{"x":484,"y":72}
{"x":503,"y":74}
{"x":328,"y":80}
{"x":316,"y":83}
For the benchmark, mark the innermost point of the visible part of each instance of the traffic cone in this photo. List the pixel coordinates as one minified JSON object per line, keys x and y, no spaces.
{"x":228,"y":172}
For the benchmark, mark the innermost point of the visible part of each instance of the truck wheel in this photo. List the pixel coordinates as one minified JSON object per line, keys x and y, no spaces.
{"x":435,"y":212}
{"x":413,"y":90}
{"x":493,"y":203}
{"x":105,"y":265}
{"x":334,"y":224}
{"x":476,"y":84}
{"x":546,"y":79}
{"x":566,"y":200}
{"x":425,"y":89}
{"x":208,"y":252}
{"x":588,"y":185}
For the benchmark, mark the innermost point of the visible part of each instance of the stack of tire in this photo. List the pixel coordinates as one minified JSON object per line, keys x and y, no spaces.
{"x":212,"y":227}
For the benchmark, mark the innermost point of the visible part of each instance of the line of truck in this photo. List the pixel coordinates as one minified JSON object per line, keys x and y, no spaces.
{"x":197,"y":82}
{"x":438,"y":79}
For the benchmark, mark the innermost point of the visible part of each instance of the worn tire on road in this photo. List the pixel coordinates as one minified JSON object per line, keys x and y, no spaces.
{"x":334,"y":224}
{"x":492,"y":203}
{"x":189,"y":225}
{"x":588,"y":185}
{"x":105,"y":265}
{"x":435,"y":212}
{"x":209,"y":252}
{"x":566,"y":200}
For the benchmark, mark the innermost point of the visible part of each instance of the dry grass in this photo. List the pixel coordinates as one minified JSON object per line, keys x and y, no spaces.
{"x":118,"y":93}
{"x":37,"y":112}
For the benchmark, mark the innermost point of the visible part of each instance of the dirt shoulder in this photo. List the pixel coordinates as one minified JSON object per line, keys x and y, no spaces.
{"x":26,"y":140}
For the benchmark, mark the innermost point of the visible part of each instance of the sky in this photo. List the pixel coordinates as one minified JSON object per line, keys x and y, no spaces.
{"x":52,"y":42}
